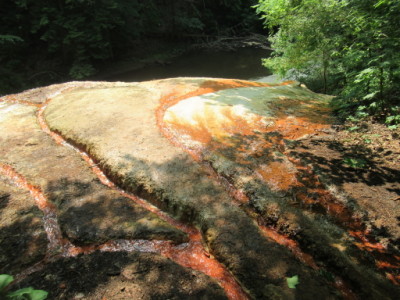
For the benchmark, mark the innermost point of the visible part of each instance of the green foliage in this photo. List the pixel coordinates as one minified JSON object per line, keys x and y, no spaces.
{"x":355,"y":162}
{"x":81,"y":70}
{"x":5,"y":280}
{"x":346,"y":48}
{"x":21,"y":294}
{"x":74,"y":37}
{"x":292,"y":281}
{"x":306,"y":39}
{"x":7,"y":38}
{"x":393,"y":119}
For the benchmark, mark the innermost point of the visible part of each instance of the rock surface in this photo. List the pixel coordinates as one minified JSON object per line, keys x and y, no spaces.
{"x":123,"y":275}
{"x":23,"y":239}
{"x":213,"y":154}
{"x":88,"y":211}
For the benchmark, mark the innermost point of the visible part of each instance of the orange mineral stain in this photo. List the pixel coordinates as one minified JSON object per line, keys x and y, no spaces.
{"x":199,"y":133}
{"x":291,"y":244}
{"x":13,"y":99}
{"x":293,"y":128}
{"x":192,"y":255}
{"x":395,"y":279}
{"x":53,"y":231}
{"x":276,"y":173}
{"x":227,"y":129}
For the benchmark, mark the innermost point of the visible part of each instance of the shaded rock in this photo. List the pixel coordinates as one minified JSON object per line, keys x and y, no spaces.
{"x":88,"y":214}
{"x":23,"y":239}
{"x":122,"y":276}
{"x":244,"y":135}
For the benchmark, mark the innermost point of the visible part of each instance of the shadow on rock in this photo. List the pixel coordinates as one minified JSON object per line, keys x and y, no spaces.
{"x":338,"y":165}
{"x":287,"y":196}
{"x":184,"y":189}
{"x":4,"y":200}
{"x":89,"y":215}
{"x":23,"y":243}
{"x":122,"y":275}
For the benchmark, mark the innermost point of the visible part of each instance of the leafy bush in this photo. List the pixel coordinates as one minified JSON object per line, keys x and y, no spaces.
{"x":21,"y":294}
{"x":346,"y":48}
{"x":355,"y":162}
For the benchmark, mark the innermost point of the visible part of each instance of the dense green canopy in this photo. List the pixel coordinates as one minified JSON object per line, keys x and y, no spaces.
{"x":347,"y":48}
{"x":45,"y":40}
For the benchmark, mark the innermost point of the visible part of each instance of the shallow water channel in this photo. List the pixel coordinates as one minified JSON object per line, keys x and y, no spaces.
{"x":242,"y":63}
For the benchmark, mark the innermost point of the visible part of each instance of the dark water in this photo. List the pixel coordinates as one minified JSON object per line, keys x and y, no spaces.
{"x":243,"y":63}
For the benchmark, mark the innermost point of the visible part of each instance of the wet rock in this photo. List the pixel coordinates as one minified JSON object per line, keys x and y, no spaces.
{"x":122,"y":276}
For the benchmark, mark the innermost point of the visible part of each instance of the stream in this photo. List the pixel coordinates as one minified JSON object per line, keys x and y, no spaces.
{"x":243,"y":63}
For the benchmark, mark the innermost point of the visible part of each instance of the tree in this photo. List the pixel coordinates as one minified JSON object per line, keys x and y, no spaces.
{"x":347,"y":48}
{"x":43,"y":41}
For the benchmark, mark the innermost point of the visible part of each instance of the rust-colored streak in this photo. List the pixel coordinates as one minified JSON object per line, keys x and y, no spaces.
{"x":292,"y":245}
{"x":307,"y":259}
{"x":13,"y":99}
{"x":21,"y":182}
{"x":192,"y":255}
{"x":54,"y":235}
{"x":313,"y":194}
{"x":181,"y":92}
{"x":255,"y":145}
{"x":395,"y":279}
{"x":44,"y":126}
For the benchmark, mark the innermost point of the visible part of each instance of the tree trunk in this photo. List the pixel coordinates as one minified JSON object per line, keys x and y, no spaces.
{"x":325,"y":64}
